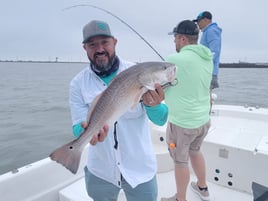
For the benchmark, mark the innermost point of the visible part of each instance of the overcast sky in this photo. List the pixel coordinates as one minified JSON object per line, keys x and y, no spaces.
{"x":41,"y":30}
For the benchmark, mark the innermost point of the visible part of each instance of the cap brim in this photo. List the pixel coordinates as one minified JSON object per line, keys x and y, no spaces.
{"x":171,"y":33}
{"x":88,"y":38}
{"x":195,"y":20}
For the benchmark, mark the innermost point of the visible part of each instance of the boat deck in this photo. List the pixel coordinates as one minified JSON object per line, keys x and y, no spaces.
{"x":166,"y":188}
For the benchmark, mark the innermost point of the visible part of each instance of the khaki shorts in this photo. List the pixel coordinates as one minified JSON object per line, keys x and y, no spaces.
{"x":185,"y":141}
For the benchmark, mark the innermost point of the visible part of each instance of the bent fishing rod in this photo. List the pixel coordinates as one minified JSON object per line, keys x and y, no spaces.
{"x":122,"y":21}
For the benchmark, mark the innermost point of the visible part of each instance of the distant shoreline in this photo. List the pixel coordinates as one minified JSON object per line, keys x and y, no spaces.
{"x":244,"y":65}
{"x":222,"y":65}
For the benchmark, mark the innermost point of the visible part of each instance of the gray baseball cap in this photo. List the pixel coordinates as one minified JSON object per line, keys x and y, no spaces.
{"x":96,"y":28}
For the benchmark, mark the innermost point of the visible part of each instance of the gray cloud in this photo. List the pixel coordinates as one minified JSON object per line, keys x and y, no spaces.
{"x":40,"y":30}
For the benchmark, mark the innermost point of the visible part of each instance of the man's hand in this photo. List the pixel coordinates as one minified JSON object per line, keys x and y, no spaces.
{"x":97,"y":137}
{"x":214,"y":82}
{"x":154,"y":97}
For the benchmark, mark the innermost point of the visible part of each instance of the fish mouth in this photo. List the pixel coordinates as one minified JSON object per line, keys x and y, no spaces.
{"x":172,"y":80}
{"x":170,"y":84}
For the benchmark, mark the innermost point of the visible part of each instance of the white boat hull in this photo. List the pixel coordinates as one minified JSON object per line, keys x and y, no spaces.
{"x":236,"y":152}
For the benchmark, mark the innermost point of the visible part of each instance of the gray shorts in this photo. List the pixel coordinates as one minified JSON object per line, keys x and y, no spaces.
{"x":187,"y":141}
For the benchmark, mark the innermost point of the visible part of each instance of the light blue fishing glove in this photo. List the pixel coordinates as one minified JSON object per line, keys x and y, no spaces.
{"x":77,"y":129}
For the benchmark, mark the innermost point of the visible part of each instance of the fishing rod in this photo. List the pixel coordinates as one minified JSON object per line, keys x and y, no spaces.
{"x":106,"y":11}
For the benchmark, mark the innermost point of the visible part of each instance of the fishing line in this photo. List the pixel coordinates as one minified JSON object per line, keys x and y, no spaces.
{"x":106,"y":11}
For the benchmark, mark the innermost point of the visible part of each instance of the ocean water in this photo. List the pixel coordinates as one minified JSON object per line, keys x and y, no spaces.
{"x":34,"y":112}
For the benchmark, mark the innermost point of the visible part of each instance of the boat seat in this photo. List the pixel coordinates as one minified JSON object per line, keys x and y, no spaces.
{"x":77,"y":192}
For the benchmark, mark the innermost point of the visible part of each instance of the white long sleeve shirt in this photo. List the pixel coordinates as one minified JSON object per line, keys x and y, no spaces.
{"x":134,"y":157}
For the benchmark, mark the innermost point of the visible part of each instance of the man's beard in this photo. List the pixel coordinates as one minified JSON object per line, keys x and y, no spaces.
{"x":104,"y":68}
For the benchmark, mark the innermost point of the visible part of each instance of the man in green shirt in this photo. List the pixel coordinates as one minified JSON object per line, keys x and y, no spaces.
{"x":189,"y":107}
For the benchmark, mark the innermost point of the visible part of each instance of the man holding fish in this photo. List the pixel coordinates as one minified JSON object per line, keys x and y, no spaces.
{"x":121,"y":156}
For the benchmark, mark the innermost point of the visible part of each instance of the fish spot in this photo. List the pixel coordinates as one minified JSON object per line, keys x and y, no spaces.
{"x":70,"y":147}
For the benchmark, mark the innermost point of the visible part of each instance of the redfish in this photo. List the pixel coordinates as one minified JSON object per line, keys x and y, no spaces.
{"x":123,"y":93}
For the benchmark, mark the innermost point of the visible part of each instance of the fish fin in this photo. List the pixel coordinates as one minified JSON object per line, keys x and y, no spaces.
{"x":67,"y":155}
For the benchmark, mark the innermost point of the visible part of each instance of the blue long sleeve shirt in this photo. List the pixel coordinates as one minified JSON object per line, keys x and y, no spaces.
{"x":211,"y":38}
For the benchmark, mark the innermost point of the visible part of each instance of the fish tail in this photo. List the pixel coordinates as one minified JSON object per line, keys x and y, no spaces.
{"x":68,"y":155}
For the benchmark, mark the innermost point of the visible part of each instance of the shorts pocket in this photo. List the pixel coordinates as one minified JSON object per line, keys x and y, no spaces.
{"x":172,"y":151}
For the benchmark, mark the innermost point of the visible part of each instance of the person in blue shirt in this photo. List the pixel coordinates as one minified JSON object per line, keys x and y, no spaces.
{"x":211,"y":38}
{"x":122,"y":157}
